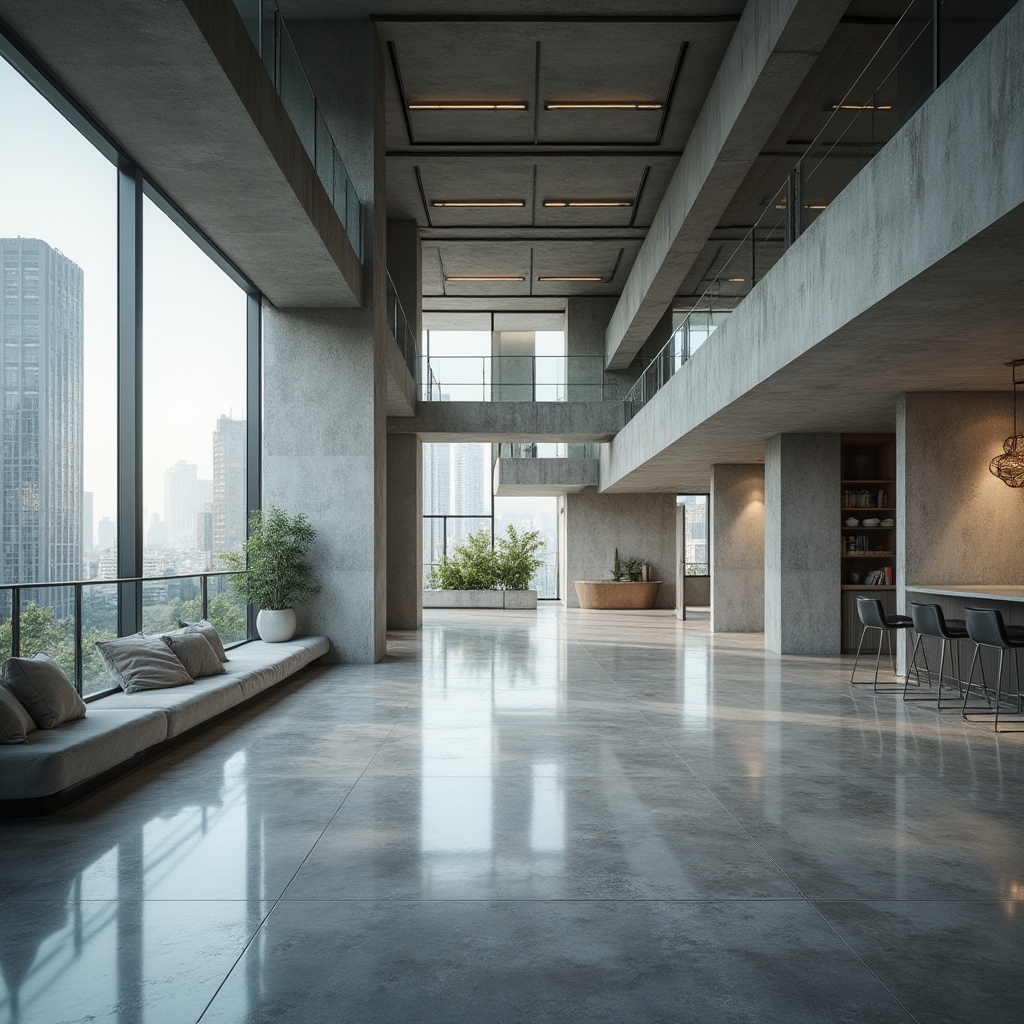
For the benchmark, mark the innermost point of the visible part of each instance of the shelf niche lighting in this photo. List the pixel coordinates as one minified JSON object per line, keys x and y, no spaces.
{"x":1009,"y":466}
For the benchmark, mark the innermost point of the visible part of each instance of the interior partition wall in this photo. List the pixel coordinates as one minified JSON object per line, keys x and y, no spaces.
{"x":77,"y":344}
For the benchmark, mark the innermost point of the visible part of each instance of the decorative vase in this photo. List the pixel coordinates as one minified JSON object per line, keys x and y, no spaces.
{"x":276,"y":626}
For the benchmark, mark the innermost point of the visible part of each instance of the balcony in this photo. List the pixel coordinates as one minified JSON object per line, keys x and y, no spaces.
{"x":530,"y":469}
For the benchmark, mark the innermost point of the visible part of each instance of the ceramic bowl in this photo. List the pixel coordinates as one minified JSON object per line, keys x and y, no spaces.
{"x":888,"y":522}
{"x":871,"y":522}
{"x":852,"y":522}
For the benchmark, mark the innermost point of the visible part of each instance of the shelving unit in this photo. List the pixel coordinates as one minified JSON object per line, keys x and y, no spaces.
{"x":867,"y":490}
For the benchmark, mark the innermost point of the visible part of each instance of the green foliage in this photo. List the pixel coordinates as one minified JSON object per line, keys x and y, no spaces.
{"x":276,"y":575}
{"x":475,"y":565}
{"x":627,"y":569}
{"x":43,"y":633}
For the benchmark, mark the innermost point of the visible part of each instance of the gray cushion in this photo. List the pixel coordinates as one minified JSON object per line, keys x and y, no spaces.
{"x":209,"y":630}
{"x":258,"y":665}
{"x":195,"y":652}
{"x":142,"y":663}
{"x":15,"y":722}
{"x":54,"y":759}
{"x":185,"y":706}
{"x":44,"y":691}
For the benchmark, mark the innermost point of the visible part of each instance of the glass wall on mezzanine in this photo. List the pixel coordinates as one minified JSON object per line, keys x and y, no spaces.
{"x":70,"y":238}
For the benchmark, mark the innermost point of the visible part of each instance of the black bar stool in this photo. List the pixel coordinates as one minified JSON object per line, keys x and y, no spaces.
{"x":985,"y":626}
{"x":929,"y":621}
{"x":872,"y":616}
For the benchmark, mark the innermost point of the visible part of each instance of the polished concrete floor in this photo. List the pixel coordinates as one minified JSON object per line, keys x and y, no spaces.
{"x":552,"y":816}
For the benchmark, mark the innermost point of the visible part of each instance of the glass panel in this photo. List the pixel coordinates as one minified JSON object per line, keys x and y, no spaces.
{"x":353,"y":217}
{"x":58,"y":343}
{"x":164,"y":602}
{"x":697,"y":533}
{"x":194,"y":440}
{"x":325,"y":157}
{"x":48,"y":625}
{"x":540,"y":514}
{"x":99,"y":622}
{"x":225,"y":609}
{"x":433,"y":545}
{"x":296,"y":95}
{"x":460,"y":527}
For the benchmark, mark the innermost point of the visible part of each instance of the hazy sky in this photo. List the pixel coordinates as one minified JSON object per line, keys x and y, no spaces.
{"x":55,"y":186}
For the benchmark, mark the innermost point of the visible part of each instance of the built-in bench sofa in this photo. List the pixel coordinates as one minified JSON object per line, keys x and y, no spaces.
{"x":56,"y":766}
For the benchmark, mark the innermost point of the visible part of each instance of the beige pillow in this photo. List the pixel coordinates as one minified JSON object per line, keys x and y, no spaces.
{"x":142,"y":663}
{"x":43,"y":690}
{"x":195,"y":652}
{"x":209,"y":630}
{"x":15,"y":722}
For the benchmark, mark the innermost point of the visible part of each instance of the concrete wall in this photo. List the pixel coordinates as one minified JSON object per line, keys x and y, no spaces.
{"x":404,"y":257}
{"x":801,"y":566}
{"x":512,"y":421}
{"x":405,"y":532}
{"x":544,"y":476}
{"x":639,"y":525}
{"x":737,"y":548}
{"x":956,"y":522}
{"x":698,"y":591}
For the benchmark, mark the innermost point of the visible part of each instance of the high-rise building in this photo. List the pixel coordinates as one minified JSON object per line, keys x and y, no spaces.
{"x":437,"y":481}
{"x":229,"y":508}
{"x":106,"y":534}
{"x":157,"y":535}
{"x":470,"y":479}
{"x":88,"y":528}
{"x":41,"y":342}
{"x":204,"y":531}
{"x":181,"y":503}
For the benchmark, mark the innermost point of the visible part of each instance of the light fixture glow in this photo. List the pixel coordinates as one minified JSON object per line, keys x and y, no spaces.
{"x":571,"y":277}
{"x":484,"y":277}
{"x":735,"y":280}
{"x":477,"y":204}
{"x":587,"y":203}
{"x":861,"y":106}
{"x":468,"y":105}
{"x":602,"y":105}
{"x":1009,"y":466}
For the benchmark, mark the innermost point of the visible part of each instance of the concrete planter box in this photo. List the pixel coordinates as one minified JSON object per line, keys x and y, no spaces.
{"x":513,"y":599}
{"x":603,"y":594}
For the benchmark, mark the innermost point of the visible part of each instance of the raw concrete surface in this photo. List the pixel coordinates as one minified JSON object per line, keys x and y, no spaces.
{"x":801,"y":565}
{"x":512,"y":421}
{"x":913,"y":265}
{"x":737,"y":548}
{"x":544,"y":476}
{"x":405,"y":531}
{"x":639,"y":525}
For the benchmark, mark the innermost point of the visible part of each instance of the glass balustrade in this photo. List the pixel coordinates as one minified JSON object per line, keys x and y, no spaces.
{"x":516,"y":379}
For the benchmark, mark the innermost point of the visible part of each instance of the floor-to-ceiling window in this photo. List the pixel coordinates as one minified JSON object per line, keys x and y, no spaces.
{"x":58,"y":343}
{"x":70,"y":267}
{"x":698,"y":535}
{"x":194,"y":451}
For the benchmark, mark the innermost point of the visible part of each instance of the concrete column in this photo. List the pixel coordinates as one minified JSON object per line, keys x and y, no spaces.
{"x":403,"y":257}
{"x":325,"y":377}
{"x":802,"y":572}
{"x":737,"y":548}
{"x":586,"y":318}
{"x":405,"y":532}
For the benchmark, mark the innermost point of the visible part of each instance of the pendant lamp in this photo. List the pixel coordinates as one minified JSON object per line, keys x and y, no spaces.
{"x":1009,"y":466}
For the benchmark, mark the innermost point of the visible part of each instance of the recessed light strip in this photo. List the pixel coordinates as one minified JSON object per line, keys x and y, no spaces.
{"x":571,"y":277}
{"x":477,"y":204}
{"x":469,"y":105}
{"x":484,"y":277}
{"x":587,"y":203}
{"x":860,"y":106}
{"x":603,"y":105}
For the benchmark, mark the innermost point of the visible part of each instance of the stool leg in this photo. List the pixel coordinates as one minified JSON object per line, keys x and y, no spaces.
{"x":999,"y":686}
{"x":892,"y":655}
{"x":911,"y":667}
{"x":970,"y":681}
{"x":878,"y":657}
{"x":863,"y":633}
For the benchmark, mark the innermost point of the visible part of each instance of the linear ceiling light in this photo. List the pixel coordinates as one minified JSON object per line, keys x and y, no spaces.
{"x":484,"y":277}
{"x":478,"y":204}
{"x":860,"y":106}
{"x":571,"y":277}
{"x":587,"y":203}
{"x":603,"y":105}
{"x":735,"y":280}
{"x":469,"y":105}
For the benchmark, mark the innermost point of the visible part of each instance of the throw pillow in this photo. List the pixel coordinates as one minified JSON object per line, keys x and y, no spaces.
{"x":142,"y":663}
{"x":195,"y":652}
{"x":15,"y":722}
{"x":43,"y":690}
{"x":209,"y":630}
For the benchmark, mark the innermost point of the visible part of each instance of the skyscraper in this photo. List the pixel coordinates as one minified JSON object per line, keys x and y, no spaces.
{"x":229,"y":508}
{"x":106,"y":530}
{"x":181,"y":503}
{"x":41,"y":341}
{"x":470,"y":479}
{"x":88,"y":528}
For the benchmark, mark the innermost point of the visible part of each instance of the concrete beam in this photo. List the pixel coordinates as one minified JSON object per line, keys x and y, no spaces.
{"x":533,"y":477}
{"x":512,"y":421}
{"x":775,"y":45}
{"x":915,"y":264}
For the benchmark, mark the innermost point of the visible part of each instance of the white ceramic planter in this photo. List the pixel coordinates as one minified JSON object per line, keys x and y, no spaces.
{"x":275,"y":627}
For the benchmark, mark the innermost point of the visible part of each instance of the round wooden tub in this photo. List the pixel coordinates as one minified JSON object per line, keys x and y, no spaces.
{"x":602,"y":594}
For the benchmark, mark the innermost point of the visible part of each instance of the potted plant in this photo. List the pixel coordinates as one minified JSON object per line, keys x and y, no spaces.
{"x":275,"y":575}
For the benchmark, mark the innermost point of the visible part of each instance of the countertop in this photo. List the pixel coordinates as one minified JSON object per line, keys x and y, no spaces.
{"x":990,"y":591}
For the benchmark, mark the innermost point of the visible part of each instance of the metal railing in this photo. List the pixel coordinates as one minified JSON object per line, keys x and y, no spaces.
{"x":37,"y":616}
{"x":516,"y":379}
{"x":269,"y":33}
{"x":401,"y":329}
{"x":546,"y":450}
{"x":894,"y":84}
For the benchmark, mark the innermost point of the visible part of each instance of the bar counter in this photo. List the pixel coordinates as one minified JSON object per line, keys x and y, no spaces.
{"x":971,"y":592}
